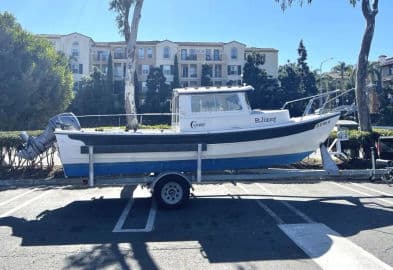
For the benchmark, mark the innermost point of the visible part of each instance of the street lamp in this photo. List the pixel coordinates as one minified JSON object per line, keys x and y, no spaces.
{"x":320,"y":78}
{"x":320,"y":71}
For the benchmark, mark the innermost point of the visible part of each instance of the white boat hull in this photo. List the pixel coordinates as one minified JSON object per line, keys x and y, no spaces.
{"x":217,"y":155}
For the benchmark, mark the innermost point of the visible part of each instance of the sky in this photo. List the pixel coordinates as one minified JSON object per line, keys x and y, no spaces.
{"x":331,"y":30}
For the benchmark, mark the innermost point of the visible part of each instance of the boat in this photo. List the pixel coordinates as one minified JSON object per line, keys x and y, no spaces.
{"x":216,"y":123}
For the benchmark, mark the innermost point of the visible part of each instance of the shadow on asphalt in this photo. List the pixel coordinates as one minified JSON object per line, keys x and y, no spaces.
{"x":229,"y":229}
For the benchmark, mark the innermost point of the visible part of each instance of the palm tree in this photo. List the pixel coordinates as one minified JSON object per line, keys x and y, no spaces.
{"x":344,"y":71}
{"x":123,"y":7}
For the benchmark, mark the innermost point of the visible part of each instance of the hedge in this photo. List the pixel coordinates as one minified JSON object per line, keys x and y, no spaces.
{"x":10,"y":142}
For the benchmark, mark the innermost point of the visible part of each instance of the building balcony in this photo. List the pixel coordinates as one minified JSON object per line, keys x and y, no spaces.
{"x":189,"y":57}
{"x":119,"y":56}
{"x":100,"y":58}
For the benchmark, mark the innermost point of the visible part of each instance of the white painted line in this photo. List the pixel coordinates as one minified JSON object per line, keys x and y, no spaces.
{"x":288,"y":205}
{"x":361,"y":192}
{"x":265,"y":207}
{"x":17,"y":197}
{"x":6,"y":214}
{"x":149,"y":224}
{"x":329,"y":249}
{"x":123,"y":216}
{"x":152,"y":217}
{"x":373,"y":189}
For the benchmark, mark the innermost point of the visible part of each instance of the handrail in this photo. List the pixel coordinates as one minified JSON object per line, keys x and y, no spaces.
{"x":320,"y":96}
{"x":121,"y":114}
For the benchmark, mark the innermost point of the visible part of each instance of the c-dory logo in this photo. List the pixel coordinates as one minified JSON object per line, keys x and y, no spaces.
{"x":195,"y":124}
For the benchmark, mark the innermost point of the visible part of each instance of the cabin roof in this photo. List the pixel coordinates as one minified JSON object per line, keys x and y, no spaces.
{"x":209,"y":89}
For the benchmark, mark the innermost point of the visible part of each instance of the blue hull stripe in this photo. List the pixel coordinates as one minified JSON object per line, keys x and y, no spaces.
{"x":182,"y":165}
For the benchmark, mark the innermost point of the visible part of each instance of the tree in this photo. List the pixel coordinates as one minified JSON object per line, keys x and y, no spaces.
{"x":123,"y":7}
{"x":369,"y":10}
{"x":158,"y":92}
{"x":344,"y":71}
{"x":94,"y":96}
{"x":137,"y":91}
{"x":307,"y":79}
{"x":157,"y":96}
{"x":35,"y":80}
{"x":109,"y":74}
{"x":176,"y":81}
{"x":207,"y":74}
{"x":267,"y":93}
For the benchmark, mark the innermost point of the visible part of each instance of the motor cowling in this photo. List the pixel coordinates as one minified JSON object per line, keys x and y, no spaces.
{"x":34,"y":146}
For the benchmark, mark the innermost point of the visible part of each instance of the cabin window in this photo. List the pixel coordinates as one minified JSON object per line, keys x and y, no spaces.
{"x":215,"y":102}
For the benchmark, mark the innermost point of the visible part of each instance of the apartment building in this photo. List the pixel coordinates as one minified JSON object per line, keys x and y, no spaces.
{"x":225,"y":58}
{"x":386,"y":65}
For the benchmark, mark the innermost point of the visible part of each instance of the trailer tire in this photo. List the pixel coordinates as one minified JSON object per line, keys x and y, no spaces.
{"x":171,"y":191}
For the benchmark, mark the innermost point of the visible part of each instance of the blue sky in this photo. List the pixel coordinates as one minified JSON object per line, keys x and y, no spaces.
{"x":329,"y":28}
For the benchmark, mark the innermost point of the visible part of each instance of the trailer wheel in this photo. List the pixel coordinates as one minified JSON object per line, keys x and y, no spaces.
{"x":172,"y":191}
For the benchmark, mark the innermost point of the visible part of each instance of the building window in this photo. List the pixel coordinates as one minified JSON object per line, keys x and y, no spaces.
{"x":144,"y":87}
{"x":193,"y":55}
{"x":193,"y":83}
{"x":75,"y":44}
{"x":193,"y":71}
{"x":391,"y":70}
{"x":119,"y":53}
{"x":104,"y":68}
{"x":166,"y":69}
{"x":102,"y":55}
{"x":183,"y":54}
{"x":208,"y":54}
{"x":141,"y":53}
{"x":218,"y":71}
{"x":145,"y":69}
{"x":234,"y":53}
{"x":118,"y":70}
{"x":80,"y":68}
{"x":166,"y":52}
{"x":75,"y":68}
{"x":184,"y":84}
{"x":234,"y":70}
{"x":218,"y":83}
{"x":75,"y":52}
{"x":149,"y":53}
{"x":184,"y":71}
{"x":216,"y":55}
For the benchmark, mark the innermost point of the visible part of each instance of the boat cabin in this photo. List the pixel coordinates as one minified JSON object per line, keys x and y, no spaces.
{"x":205,"y":109}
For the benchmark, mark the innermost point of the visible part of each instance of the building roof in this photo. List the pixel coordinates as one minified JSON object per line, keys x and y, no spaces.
{"x":387,"y":62}
{"x":208,"y":90}
{"x":155,"y":42}
{"x":250,"y":49}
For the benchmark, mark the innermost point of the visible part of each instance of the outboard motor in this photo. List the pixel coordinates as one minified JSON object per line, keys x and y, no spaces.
{"x":34,"y":146}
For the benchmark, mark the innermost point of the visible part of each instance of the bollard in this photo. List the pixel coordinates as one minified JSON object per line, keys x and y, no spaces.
{"x":372,"y":178}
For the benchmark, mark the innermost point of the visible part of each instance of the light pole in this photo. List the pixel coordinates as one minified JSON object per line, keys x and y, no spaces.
{"x":320,"y":72}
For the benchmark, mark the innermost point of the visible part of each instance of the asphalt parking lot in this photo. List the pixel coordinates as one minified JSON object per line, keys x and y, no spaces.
{"x":321,"y":225}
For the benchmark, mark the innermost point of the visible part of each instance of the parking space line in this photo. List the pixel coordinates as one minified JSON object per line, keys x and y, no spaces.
{"x":288,"y":205}
{"x":265,"y":207}
{"x":149,"y":224}
{"x":25,"y":204}
{"x":17,"y":197}
{"x":361,"y":192}
{"x":329,"y":249}
{"x":373,"y":189}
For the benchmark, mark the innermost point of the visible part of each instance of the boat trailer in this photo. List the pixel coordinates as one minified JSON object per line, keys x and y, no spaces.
{"x":171,"y":189}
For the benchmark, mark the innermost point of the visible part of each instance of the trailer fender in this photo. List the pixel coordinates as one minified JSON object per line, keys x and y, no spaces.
{"x":162,"y":175}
